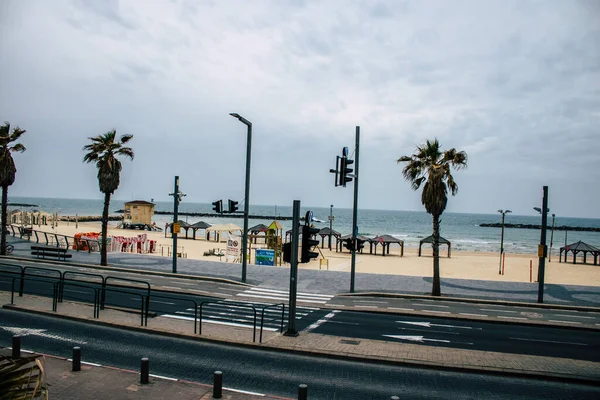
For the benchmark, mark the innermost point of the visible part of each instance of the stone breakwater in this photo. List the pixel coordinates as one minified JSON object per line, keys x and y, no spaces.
{"x":531,"y":226}
{"x":89,"y":218}
{"x":224,"y":215}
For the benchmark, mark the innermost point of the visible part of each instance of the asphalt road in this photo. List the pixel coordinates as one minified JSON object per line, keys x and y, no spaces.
{"x":472,"y":335}
{"x":262,"y":371}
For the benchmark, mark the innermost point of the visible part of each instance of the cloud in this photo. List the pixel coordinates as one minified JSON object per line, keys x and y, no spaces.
{"x":515,"y":83}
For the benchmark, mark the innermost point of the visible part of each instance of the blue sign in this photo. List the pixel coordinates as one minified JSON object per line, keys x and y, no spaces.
{"x":265,"y":257}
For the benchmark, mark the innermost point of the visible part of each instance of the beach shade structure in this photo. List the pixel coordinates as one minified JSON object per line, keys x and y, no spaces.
{"x":199,"y":225}
{"x":385,"y":241}
{"x":324,"y":232}
{"x":580,"y":247}
{"x":220,"y":228}
{"x":429,"y":239}
{"x":345,"y":241}
{"x":255,"y":230}
{"x":288,"y":233}
{"x":183,"y":224}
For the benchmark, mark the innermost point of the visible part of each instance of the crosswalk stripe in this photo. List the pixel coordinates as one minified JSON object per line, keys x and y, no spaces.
{"x":324,"y":296}
{"x":281,"y":298}
{"x":266,"y":328}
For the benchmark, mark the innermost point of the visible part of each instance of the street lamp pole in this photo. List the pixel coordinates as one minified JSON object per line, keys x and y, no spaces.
{"x":177,"y":195}
{"x":330,"y":224}
{"x":551,"y":239}
{"x":503,"y":212}
{"x":542,"y":247}
{"x":246,"y":194}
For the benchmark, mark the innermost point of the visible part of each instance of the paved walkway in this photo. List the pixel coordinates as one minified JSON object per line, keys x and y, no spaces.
{"x":336,"y":282}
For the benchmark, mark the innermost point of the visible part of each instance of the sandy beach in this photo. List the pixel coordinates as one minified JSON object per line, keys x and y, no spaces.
{"x":462,"y":264}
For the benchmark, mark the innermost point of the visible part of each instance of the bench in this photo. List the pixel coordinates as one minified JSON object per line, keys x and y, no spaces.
{"x":43,"y":252}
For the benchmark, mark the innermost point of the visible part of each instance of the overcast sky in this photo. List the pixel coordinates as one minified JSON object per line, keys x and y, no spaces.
{"x":516,"y":84}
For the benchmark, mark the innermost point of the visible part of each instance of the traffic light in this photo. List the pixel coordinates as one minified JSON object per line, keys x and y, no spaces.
{"x":233,"y":206}
{"x":308,"y":243}
{"x":345,"y":171}
{"x":218,"y":206}
{"x":287,"y":252}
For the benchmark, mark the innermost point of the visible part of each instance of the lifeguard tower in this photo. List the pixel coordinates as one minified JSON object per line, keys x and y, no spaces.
{"x":138,"y":212}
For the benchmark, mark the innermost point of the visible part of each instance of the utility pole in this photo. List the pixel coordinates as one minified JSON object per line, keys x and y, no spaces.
{"x":330,"y":224}
{"x":542,"y":248}
{"x":551,"y":239}
{"x":291,"y":331}
{"x":355,"y":212}
{"x":177,"y":195}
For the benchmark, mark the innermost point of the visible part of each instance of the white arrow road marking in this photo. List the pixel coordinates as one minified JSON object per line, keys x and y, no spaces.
{"x":38,"y":332}
{"x":429,"y":325}
{"x":419,"y":339}
{"x":322,"y":320}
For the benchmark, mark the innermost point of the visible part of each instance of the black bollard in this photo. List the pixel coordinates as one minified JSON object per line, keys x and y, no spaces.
{"x":145,"y":371}
{"x":76,"y":358}
{"x":218,"y":385}
{"x":302,"y":392}
{"x":16,"y":346}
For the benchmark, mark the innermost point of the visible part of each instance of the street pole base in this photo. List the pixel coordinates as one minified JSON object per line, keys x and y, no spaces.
{"x":291,"y":333}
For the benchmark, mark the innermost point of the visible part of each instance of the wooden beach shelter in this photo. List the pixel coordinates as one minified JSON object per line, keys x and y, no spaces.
{"x":385,"y":241}
{"x":324,"y":233}
{"x":220,"y":228}
{"x":138,"y":212}
{"x":256,"y":230}
{"x":580,"y":247}
{"x":199,"y":225}
{"x":182,"y":225}
{"x":429,"y":239}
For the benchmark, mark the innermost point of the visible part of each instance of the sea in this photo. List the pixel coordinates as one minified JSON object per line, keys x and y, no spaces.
{"x":462,"y":230}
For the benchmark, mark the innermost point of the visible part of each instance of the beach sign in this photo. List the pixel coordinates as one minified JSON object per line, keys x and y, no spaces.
{"x":234,"y":244}
{"x":176,"y":227}
{"x":265,"y":257}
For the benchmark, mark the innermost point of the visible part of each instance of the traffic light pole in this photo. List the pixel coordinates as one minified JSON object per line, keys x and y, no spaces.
{"x":175,"y":219}
{"x":355,"y":212}
{"x":542,"y":259}
{"x":291,"y":331}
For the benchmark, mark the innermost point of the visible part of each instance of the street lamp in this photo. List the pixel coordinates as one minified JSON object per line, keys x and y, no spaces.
{"x":247,"y":192}
{"x":331,"y":218}
{"x":503,"y":213}
{"x":551,"y":239}
{"x":542,"y":247}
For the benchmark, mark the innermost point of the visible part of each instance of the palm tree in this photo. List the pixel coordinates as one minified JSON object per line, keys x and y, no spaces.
{"x":430,"y":166}
{"x":23,"y":378}
{"x":7,"y":170}
{"x":102,"y":151}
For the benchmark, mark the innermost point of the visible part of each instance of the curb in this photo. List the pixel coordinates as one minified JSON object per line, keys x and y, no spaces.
{"x":558,"y":377}
{"x":474,"y":301}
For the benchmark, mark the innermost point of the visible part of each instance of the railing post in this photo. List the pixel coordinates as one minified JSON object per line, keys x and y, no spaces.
{"x":16,"y":346}
{"x":218,"y":385}
{"x":76,"y":358}
{"x":145,"y":371}
{"x":302,"y":392}
{"x":22,"y":283}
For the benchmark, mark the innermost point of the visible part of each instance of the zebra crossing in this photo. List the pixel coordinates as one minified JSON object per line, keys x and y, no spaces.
{"x":281,"y":295}
{"x":227,"y":313}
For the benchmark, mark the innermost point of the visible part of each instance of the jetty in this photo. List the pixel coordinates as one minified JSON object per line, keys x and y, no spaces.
{"x":224,"y":215}
{"x":533,"y":226}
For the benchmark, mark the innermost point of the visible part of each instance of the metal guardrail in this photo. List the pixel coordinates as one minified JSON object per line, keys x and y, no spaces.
{"x":180,"y":299}
{"x":94,"y":289}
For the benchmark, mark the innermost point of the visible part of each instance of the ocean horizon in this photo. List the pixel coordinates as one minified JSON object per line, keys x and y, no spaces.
{"x":461,"y":229}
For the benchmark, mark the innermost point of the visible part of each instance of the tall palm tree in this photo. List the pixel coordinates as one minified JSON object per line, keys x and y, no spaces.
{"x":430,"y":166}
{"x":103,"y":151}
{"x":7,"y":170}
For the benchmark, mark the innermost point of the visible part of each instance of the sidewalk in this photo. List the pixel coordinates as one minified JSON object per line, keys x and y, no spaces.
{"x":332,"y":346}
{"x":336,"y":282}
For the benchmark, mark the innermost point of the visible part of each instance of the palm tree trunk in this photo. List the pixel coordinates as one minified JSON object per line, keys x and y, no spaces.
{"x":4,"y":218}
{"x":436,"y":291}
{"x":103,"y":250}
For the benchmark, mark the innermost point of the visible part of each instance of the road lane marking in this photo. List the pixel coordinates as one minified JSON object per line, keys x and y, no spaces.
{"x":86,"y":363}
{"x":299,"y":299}
{"x":245,"y":392}
{"x":548,"y":341}
{"x":184,"y":283}
{"x":400,"y":308}
{"x":210,"y":321}
{"x":430,"y":305}
{"x":357,"y":306}
{"x":436,"y":311}
{"x":427,"y":324}
{"x":502,"y":316}
{"x":573,"y":316}
{"x":161,"y":302}
{"x":163,"y":377}
{"x":473,"y":315}
{"x":170,"y":287}
{"x":508,"y":312}
{"x":419,"y":339}
{"x":77,"y":291}
{"x":325,"y":296}
{"x":370,"y":301}
{"x":322,"y":320}
{"x":565,"y":322}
